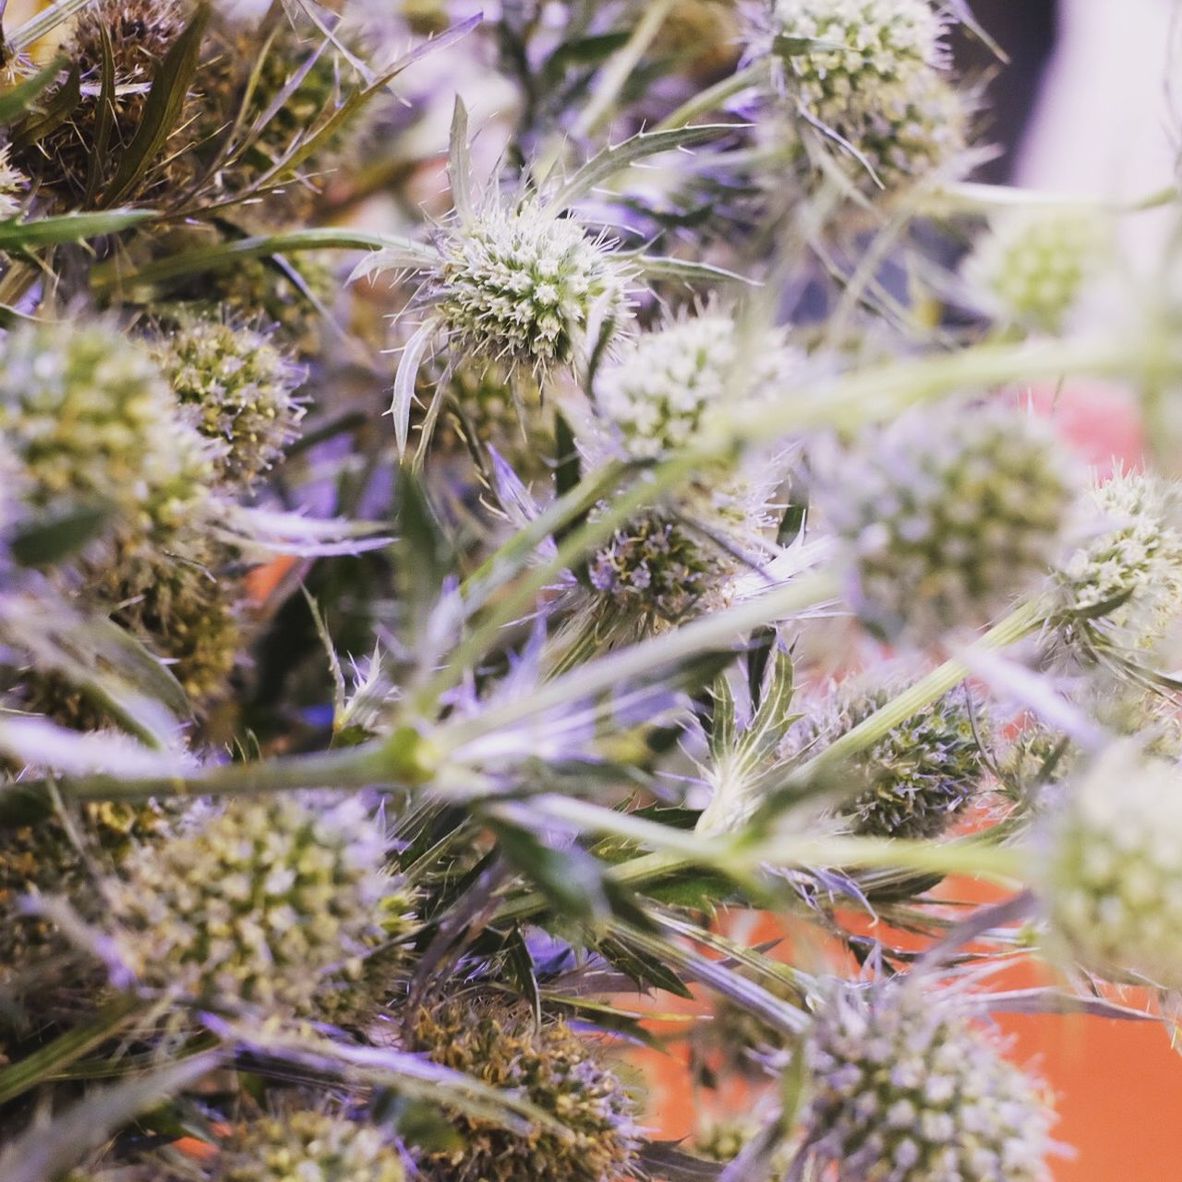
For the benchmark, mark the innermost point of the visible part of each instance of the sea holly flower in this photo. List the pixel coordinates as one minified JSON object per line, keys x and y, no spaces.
{"x":949,"y":514}
{"x":91,"y":420}
{"x":1111,"y":868}
{"x":1034,"y":266}
{"x":241,"y":386}
{"x":669,"y":389}
{"x":309,"y":1145}
{"x":906,"y":1089}
{"x":269,"y":903}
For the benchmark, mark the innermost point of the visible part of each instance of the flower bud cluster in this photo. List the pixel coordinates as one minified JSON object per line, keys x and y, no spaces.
{"x":907,"y":1090}
{"x":668,"y":389}
{"x":553,"y":1069}
{"x":524,"y":287}
{"x":241,"y":386}
{"x":309,"y":1146}
{"x":1113,"y":874}
{"x":950,"y":513}
{"x":271,"y":903}
{"x":92,"y":422}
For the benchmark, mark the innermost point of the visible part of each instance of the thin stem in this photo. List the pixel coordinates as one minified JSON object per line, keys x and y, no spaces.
{"x":714,"y":96}
{"x":614,"y":76}
{"x":43,"y":23}
{"x":658,"y":652}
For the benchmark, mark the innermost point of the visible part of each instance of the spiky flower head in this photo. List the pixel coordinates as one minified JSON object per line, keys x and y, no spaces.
{"x":867,"y":74}
{"x":951,"y":512}
{"x":553,"y":1069}
{"x":1112,"y":876}
{"x":658,"y":570}
{"x":920,"y":775}
{"x":1032,"y":267}
{"x":242,"y":387}
{"x":92,"y":421}
{"x":525,"y":287}
{"x":309,"y":1146}
{"x":137,"y":34}
{"x":838,"y":52}
{"x":184,"y":603}
{"x":13,"y":182}
{"x":1122,"y":588}
{"x":668,"y":388}
{"x":272,"y":903}
{"x":905,"y":1089}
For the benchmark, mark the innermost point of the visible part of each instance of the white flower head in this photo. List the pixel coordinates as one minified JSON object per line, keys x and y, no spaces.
{"x":950,"y":513}
{"x":907,"y":1089}
{"x":1112,"y":872}
{"x":670,"y":388}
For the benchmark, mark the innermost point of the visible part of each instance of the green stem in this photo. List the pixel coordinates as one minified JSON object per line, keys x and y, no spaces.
{"x":228,"y":254}
{"x":403,"y":760}
{"x":614,"y":76}
{"x":646,"y":658}
{"x":43,"y":23}
{"x":714,"y":96}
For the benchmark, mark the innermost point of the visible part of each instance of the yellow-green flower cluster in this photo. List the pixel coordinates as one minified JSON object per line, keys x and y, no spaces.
{"x":92,"y":422}
{"x":1113,"y":869}
{"x":547,"y":1065}
{"x":523,"y":286}
{"x":950,"y":513}
{"x":241,"y":386}
{"x":272,"y":903}
{"x":309,"y":1146}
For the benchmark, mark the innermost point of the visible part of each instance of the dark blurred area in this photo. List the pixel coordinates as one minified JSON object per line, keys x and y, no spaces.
{"x":1026,"y":30}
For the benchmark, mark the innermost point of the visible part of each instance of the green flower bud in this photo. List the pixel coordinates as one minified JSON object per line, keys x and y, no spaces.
{"x":523,"y":287}
{"x":92,"y":421}
{"x":1032,"y":267}
{"x":272,"y":903}
{"x":668,"y":388}
{"x":867,"y":76}
{"x":950,"y":513}
{"x":920,"y":775}
{"x":242,"y":387}
{"x":1112,"y":877}
{"x":1123,"y":587}
{"x":906,"y":1090}
{"x":547,"y":1065}
{"x":309,"y":1146}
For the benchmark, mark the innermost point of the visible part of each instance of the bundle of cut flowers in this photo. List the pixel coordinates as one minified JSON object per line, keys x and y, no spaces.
{"x":457,"y":555}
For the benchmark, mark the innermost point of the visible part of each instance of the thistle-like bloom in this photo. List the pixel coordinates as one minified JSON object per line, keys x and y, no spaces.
{"x":949,"y":514}
{"x":868,"y":75}
{"x":668,"y":388}
{"x":1113,"y":868}
{"x":1033,"y":267}
{"x":1123,"y":588}
{"x":525,"y":287}
{"x":905,"y":1089}
{"x":242,"y":387}
{"x":553,"y":1069}
{"x":272,"y":903}
{"x":656,"y":570}
{"x":309,"y":1146}
{"x":92,"y":421}
{"x":138,"y":35}
{"x":920,"y":775}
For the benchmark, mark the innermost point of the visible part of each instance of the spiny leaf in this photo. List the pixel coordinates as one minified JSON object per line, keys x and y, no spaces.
{"x":16,"y":102}
{"x":69,"y":227}
{"x":460,"y":163}
{"x":604,"y":165}
{"x":61,"y":105}
{"x":165,"y":103}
